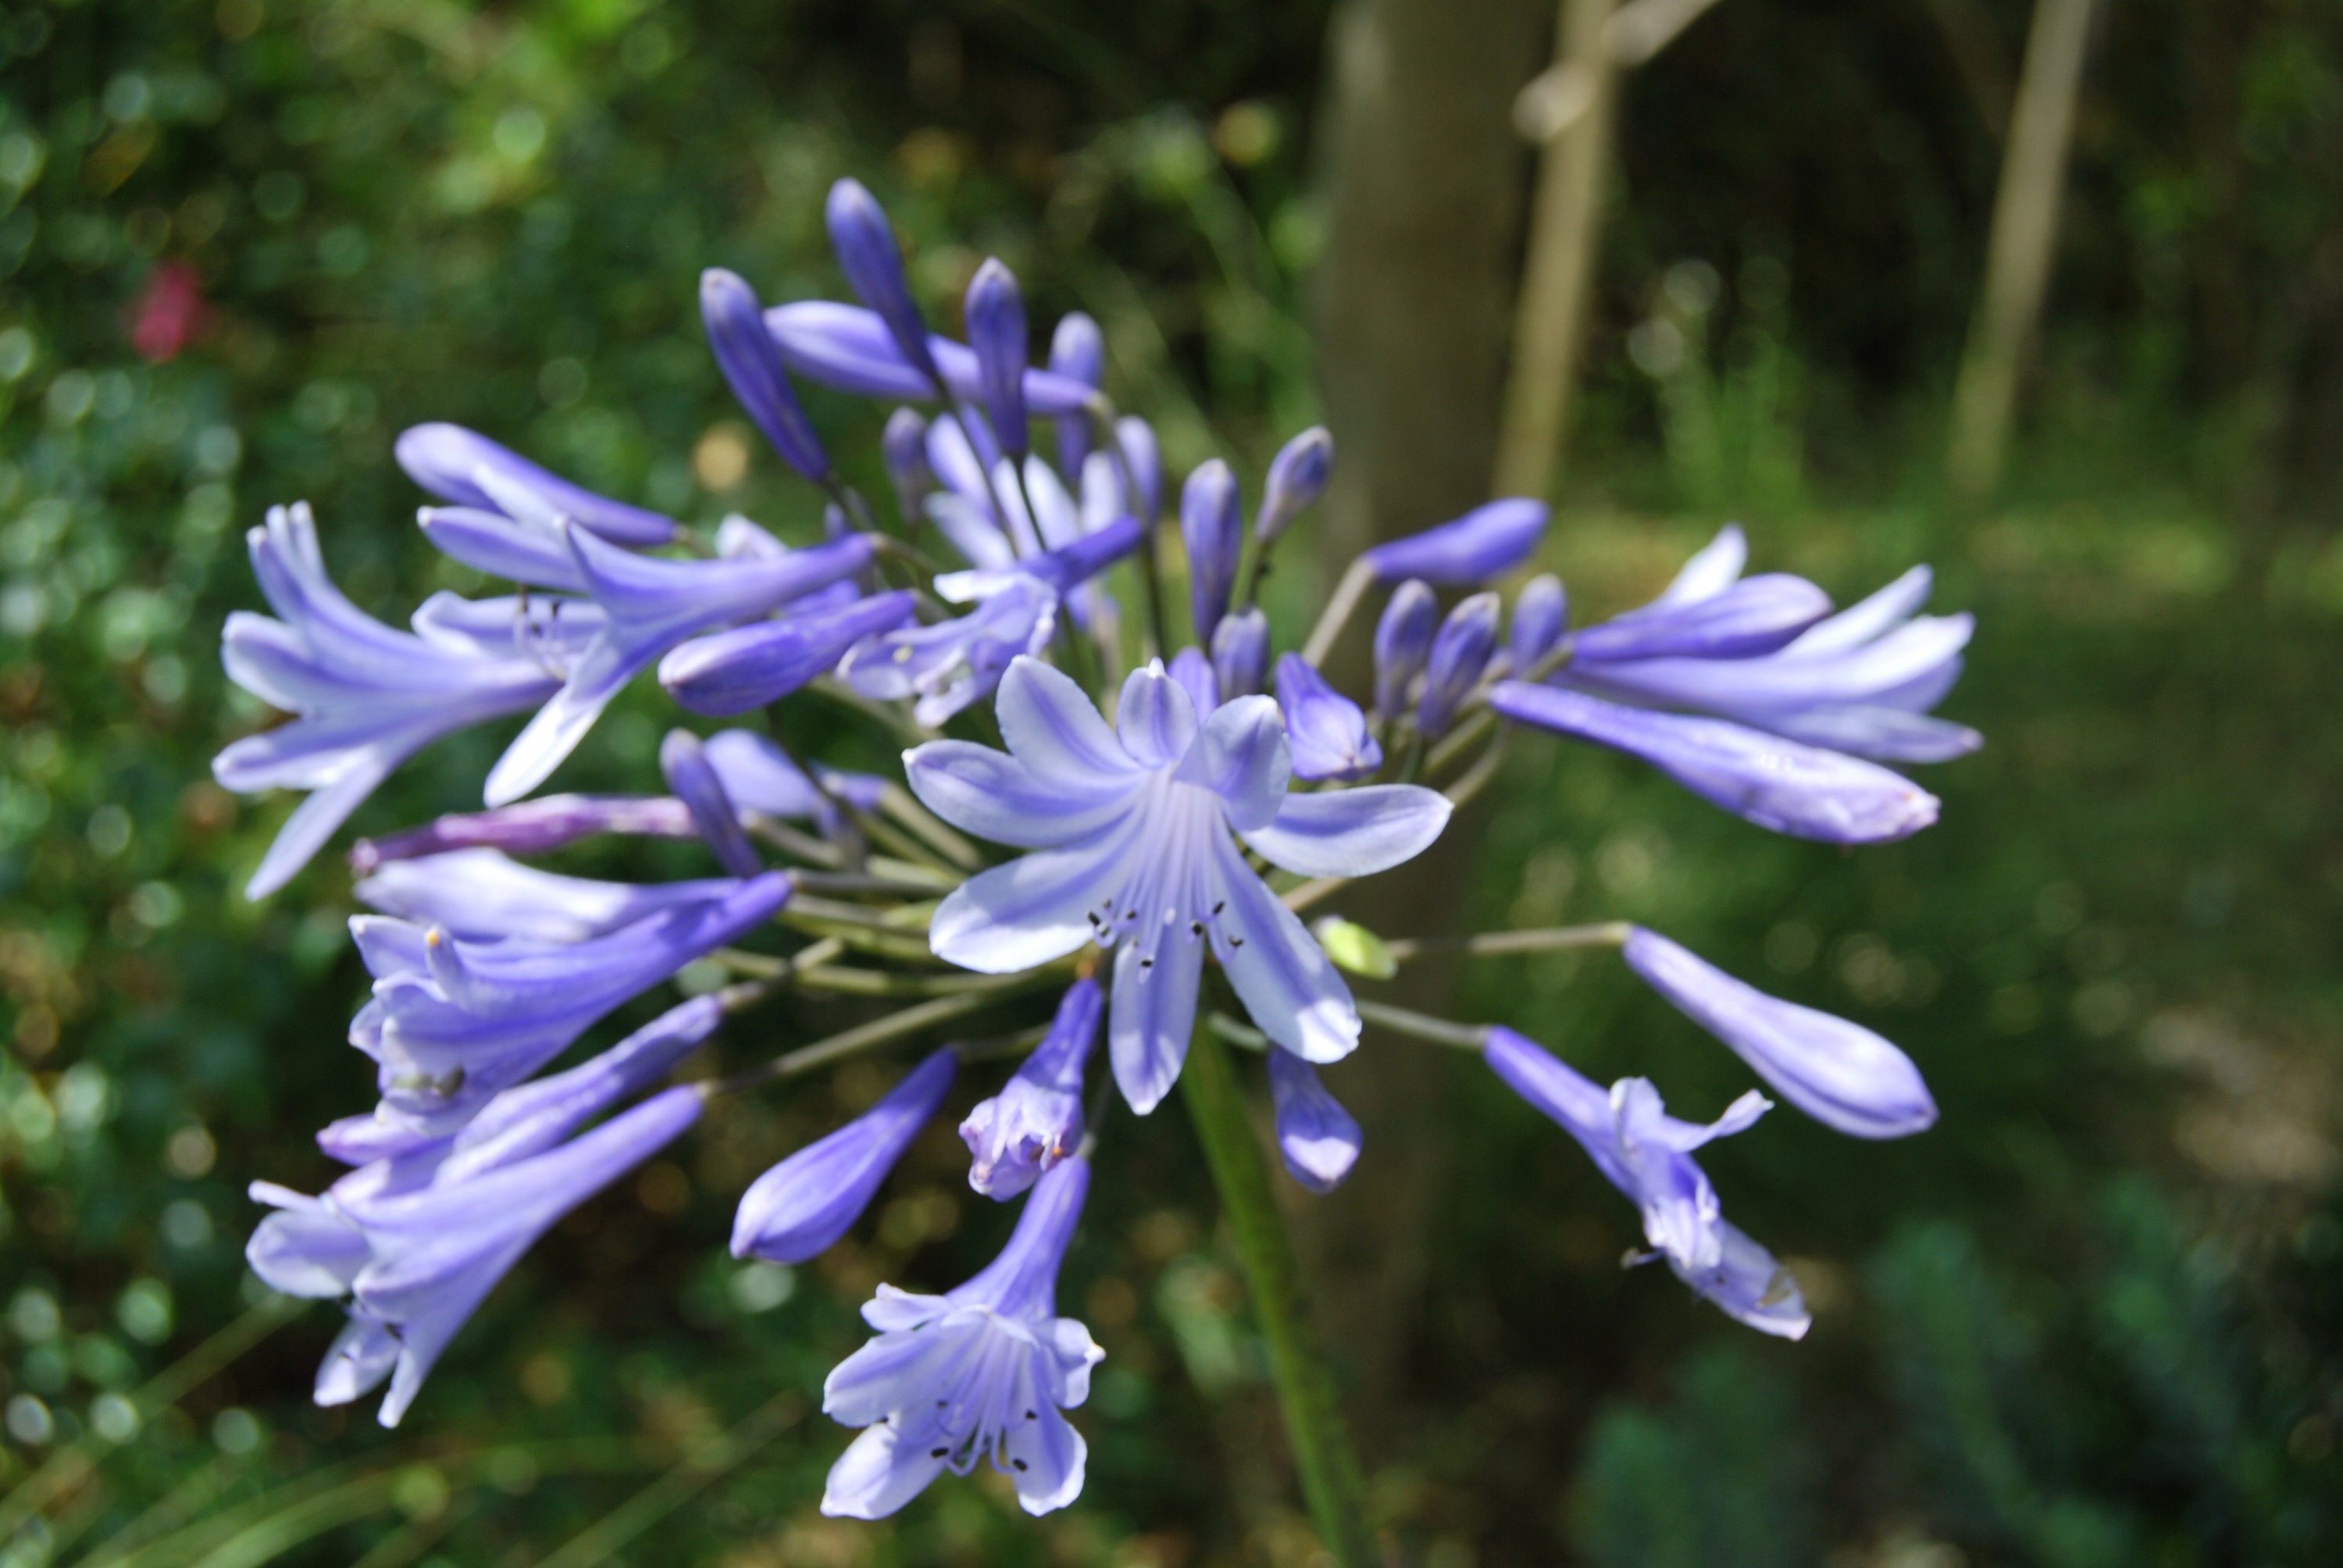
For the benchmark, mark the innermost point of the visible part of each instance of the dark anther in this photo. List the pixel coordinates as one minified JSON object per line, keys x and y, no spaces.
{"x":1218,"y":906}
{"x":1017,"y":1462}
{"x":1236,"y":942}
{"x":1147,"y":964}
{"x":1033,"y":1415}
{"x":938,"y":1452}
{"x":1196,"y":928}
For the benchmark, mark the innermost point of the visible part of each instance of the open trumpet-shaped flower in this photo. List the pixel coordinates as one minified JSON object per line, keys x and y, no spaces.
{"x":652,"y":605}
{"x":1647,"y":1155}
{"x":980,"y":1373}
{"x":368,"y":697}
{"x":453,"y":1021}
{"x":1861,"y":681}
{"x":1135,"y":829}
{"x":416,"y":1258}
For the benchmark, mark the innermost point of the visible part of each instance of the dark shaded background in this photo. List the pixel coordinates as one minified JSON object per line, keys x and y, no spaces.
{"x":2095,"y":1318}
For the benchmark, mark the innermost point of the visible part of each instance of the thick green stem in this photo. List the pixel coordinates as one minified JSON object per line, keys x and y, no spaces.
{"x":1330,"y":1478}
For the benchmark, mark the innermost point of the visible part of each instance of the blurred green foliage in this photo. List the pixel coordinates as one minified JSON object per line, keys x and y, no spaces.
{"x":2096,"y":1318}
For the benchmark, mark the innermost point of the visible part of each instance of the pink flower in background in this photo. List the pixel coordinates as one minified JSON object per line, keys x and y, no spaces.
{"x":169,"y":312}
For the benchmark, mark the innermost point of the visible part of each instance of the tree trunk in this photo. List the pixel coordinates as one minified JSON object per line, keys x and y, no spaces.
{"x":1423,"y":177}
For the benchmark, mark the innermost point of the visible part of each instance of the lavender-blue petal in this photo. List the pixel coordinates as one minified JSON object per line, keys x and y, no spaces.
{"x":1840,"y":1073}
{"x":1240,"y":652}
{"x":1755,"y":615}
{"x":1772,"y":782}
{"x":873,"y":264}
{"x":1036,"y":1121}
{"x":1297,"y":476}
{"x":1483,"y":543}
{"x":1213,"y":528}
{"x":1328,"y":732}
{"x":493,"y":543}
{"x":733,"y":671}
{"x":694,"y":781}
{"x":903,"y":446}
{"x":1317,"y":1138}
{"x":995,"y":313}
{"x":847,"y":347}
{"x":1077,"y":352}
{"x":798,"y":1208}
{"x":744,"y":351}
{"x":1460,"y":650}
{"x":444,"y":459}
{"x":1403,"y":643}
{"x":1135,"y":437}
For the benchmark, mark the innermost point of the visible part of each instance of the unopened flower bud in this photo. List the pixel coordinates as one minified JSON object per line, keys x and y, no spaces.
{"x":1541,"y":610}
{"x":1078,"y":351}
{"x":798,"y":1208}
{"x":996,"y":330}
{"x":745,"y":352}
{"x":730,"y":672}
{"x":1459,"y":653}
{"x":695,"y":783}
{"x":1240,"y":652}
{"x":1213,"y":530}
{"x":1403,"y":639}
{"x":1327,"y":731}
{"x":873,"y":264}
{"x":1476,"y":546}
{"x":1297,"y":476}
{"x":904,"y":447}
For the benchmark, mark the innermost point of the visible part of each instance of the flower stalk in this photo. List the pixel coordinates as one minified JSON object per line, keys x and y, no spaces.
{"x":1332,"y":1482}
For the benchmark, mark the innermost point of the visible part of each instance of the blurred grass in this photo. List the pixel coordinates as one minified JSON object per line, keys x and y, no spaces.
{"x":2093,"y":1318}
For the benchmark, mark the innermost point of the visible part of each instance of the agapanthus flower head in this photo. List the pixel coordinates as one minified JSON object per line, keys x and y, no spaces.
{"x":1036,"y":1119}
{"x":1297,"y":476}
{"x":452,"y":1022}
{"x":872,"y":260}
{"x":1486,"y":542}
{"x":1329,"y":734}
{"x":1540,"y":612}
{"x":468,"y":469}
{"x":1840,"y":1073}
{"x":415,"y":1261}
{"x":652,"y":605}
{"x":800,"y":1208}
{"x":995,"y":310}
{"x":745,"y":352}
{"x":1317,"y":1138}
{"x":367,"y":696}
{"x":1240,"y":652}
{"x":1402,"y":642}
{"x":747,"y":667}
{"x":1077,"y":352}
{"x":690,"y":773}
{"x":1647,"y":1155}
{"x":945,"y":666}
{"x":980,"y":1373}
{"x":1212,"y":527}
{"x":1461,"y":651}
{"x":1800,"y":790}
{"x":1136,"y":828}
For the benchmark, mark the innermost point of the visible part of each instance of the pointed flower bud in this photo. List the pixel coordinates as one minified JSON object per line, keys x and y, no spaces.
{"x":798,"y":1208}
{"x":1838,"y":1072}
{"x":744,"y":351}
{"x":1240,"y":652}
{"x":1481,"y":544}
{"x":904,"y":445}
{"x":1213,"y":530}
{"x":480,"y":895}
{"x":1755,"y":615}
{"x":1402,"y":642}
{"x":1540,"y":612}
{"x":1135,"y":438}
{"x":528,"y":827}
{"x":980,"y":1373}
{"x":996,"y":330}
{"x":1318,"y":1139}
{"x":1647,"y":1155}
{"x":1036,"y":1119}
{"x":730,"y":672}
{"x":1078,"y":352}
{"x":695,"y":783}
{"x":1328,"y":733}
{"x":1460,"y":652}
{"x":1779,"y":784}
{"x":873,"y":264}
{"x":1297,"y":476}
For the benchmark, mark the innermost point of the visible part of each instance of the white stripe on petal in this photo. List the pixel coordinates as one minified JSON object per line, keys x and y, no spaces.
{"x":1281,"y":973}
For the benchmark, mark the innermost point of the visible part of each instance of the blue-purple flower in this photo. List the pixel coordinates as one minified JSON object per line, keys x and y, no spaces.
{"x":1460,"y":652}
{"x":1240,"y":652}
{"x":468,"y":469}
{"x":1486,"y":542}
{"x":1317,"y":1138}
{"x":744,"y":351}
{"x":1838,"y":1072}
{"x":980,"y":1373}
{"x":1297,"y":476}
{"x":1036,"y":1119}
{"x":1136,"y":830}
{"x":652,"y":605}
{"x":1402,"y":642}
{"x":730,"y":672}
{"x":1213,"y":528}
{"x":416,"y":1239}
{"x":1329,"y":734}
{"x":800,"y":1208}
{"x":482,"y":895}
{"x":1647,"y":1155}
{"x":1800,"y":790}
{"x":367,"y":696}
{"x":453,"y":1021}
